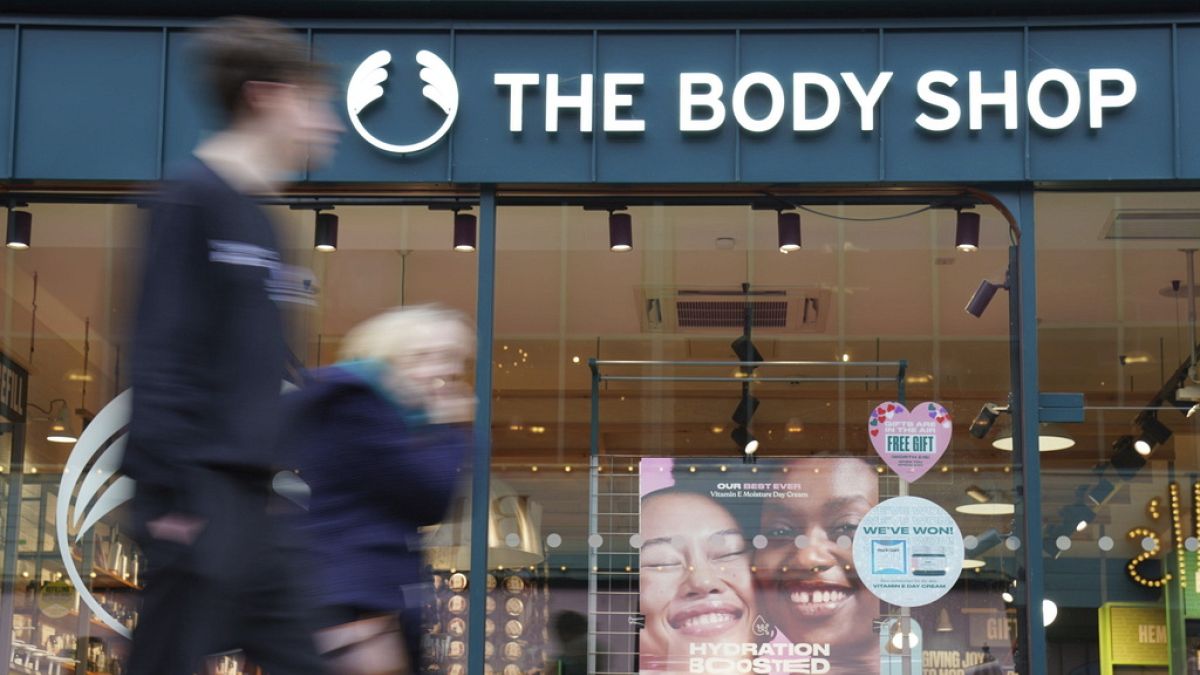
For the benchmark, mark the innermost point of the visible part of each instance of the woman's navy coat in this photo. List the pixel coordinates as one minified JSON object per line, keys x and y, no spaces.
{"x":377,"y":472}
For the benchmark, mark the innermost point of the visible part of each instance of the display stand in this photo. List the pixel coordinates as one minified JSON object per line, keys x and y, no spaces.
{"x":749,"y":374}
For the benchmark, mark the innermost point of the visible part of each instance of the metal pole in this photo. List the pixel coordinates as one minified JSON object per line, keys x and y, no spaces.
{"x":12,"y":529}
{"x":481,"y":464}
{"x":593,"y":516}
{"x":1191,"y":286}
{"x":1024,"y":341}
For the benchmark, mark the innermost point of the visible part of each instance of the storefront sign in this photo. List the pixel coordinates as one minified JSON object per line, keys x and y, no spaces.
{"x":756,"y":102}
{"x":536,"y":103}
{"x":1132,"y":635}
{"x":908,"y":551}
{"x":910,"y":442}
{"x":785,"y":600}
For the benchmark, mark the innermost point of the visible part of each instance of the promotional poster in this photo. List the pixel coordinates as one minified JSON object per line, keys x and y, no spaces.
{"x":750,"y":568}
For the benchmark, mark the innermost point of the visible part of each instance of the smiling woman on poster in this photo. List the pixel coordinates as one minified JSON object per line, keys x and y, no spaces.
{"x":807,"y":586}
{"x":696,"y":585}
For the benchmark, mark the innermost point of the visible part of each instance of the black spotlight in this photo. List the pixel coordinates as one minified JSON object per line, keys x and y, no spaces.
{"x":789,"y":232}
{"x":20,"y":229}
{"x":620,"y":232}
{"x":464,"y":231}
{"x":1126,"y":459}
{"x":745,"y":411}
{"x":1101,"y":492}
{"x":982,"y":298}
{"x":1077,"y":517}
{"x":745,"y":349}
{"x":1154,"y":433}
{"x":745,"y":440}
{"x":326,"y":236}
{"x":985,"y":541}
{"x":987,"y":417}
{"x":966,"y":232}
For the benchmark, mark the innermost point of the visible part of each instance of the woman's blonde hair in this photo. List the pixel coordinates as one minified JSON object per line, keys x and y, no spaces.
{"x":401,"y":336}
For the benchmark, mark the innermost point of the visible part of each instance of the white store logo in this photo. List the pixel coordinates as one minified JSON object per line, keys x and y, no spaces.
{"x":98,"y":492}
{"x":366,"y":87}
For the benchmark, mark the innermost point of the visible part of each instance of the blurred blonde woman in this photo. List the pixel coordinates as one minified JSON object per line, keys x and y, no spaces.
{"x":380,"y":437}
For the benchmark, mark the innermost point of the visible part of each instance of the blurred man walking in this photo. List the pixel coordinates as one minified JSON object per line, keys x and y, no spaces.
{"x":209,"y":356}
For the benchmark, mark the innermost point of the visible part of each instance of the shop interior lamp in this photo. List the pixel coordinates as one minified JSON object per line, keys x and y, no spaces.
{"x":745,"y":440}
{"x":620,"y":232}
{"x":62,"y":430}
{"x":1126,"y":459}
{"x":943,"y":622}
{"x":966,"y":231}
{"x":1154,"y":433}
{"x":1078,"y":516}
{"x":1051,"y":438}
{"x":745,"y":411}
{"x":1101,"y":492}
{"x":20,"y":229}
{"x":326,"y":235}
{"x":984,"y":504}
{"x":464,"y":231}
{"x":986,"y":418}
{"x":983,"y":297}
{"x":984,"y":542}
{"x":789,"y":232}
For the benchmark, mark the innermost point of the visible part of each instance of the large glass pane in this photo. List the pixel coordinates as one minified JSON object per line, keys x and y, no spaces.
{"x":1120,"y":516}
{"x":871,"y":287}
{"x":71,"y":568}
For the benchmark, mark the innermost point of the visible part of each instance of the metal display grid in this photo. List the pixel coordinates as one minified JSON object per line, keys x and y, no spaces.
{"x":614,"y":505}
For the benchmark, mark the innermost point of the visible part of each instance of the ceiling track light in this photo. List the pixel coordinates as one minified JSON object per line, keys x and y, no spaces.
{"x":1078,"y":516}
{"x":62,"y":429}
{"x":1154,"y":433}
{"x":982,"y":297}
{"x":1126,"y":459}
{"x":620,"y":231}
{"x":746,"y":442}
{"x":966,"y":231}
{"x":745,"y":411}
{"x":20,"y":229}
{"x":789,"y":232}
{"x":986,"y":418}
{"x":325,"y":236}
{"x":465,"y":229}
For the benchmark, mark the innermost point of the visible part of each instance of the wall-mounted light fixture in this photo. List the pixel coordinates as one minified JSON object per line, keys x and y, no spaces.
{"x":789,"y":231}
{"x":465,"y":229}
{"x":982,"y":297}
{"x":325,"y":236}
{"x":966,"y":231}
{"x":20,"y":229}
{"x":620,"y":231}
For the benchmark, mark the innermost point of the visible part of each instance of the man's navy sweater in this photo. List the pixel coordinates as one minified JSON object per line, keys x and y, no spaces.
{"x":209,"y":351}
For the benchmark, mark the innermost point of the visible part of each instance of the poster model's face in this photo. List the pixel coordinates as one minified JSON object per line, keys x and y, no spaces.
{"x":811,"y":592}
{"x":696,"y":584}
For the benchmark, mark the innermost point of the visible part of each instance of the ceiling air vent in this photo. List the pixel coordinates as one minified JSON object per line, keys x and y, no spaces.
{"x":1153,"y":224}
{"x":775,"y":310}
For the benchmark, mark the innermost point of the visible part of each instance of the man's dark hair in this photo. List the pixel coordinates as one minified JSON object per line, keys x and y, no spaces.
{"x":235,"y":50}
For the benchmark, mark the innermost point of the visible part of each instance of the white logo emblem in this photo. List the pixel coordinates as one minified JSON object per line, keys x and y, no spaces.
{"x":366,"y":86}
{"x":88,"y":491}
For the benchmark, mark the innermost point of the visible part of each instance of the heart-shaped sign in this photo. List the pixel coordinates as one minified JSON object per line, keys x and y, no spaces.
{"x":910,"y":441}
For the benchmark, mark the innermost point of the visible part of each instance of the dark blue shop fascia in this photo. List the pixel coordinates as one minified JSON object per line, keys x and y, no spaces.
{"x":114,"y":101}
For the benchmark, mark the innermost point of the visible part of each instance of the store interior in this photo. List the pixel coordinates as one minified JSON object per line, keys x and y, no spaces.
{"x":881,"y":282}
